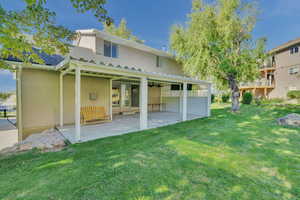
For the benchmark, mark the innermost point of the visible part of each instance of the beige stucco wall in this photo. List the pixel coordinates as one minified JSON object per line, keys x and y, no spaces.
{"x":40,"y":98}
{"x":283,"y":80}
{"x":127,"y":57}
{"x":86,"y":41}
{"x":154,"y":95}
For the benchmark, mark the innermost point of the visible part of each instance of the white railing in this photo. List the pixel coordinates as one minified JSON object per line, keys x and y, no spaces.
{"x":262,"y":82}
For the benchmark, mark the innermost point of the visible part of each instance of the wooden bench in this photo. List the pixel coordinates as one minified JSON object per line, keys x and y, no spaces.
{"x":93,"y":114}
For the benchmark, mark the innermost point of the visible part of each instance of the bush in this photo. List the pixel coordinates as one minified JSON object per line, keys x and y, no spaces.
{"x":225,"y":98}
{"x":258,"y":101}
{"x":294,"y":94}
{"x":212,"y":98}
{"x":247,"y":98}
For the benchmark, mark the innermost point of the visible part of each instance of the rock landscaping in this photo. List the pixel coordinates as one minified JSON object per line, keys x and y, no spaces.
{"x":50,"y":140}
{"x":290,"y":120}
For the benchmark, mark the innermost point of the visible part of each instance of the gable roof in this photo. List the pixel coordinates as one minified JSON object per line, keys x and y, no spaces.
{"x":122,"y":41}
{"x":286,"y":45}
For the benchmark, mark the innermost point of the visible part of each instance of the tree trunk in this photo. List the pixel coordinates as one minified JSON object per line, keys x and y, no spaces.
{"x":235,"y":94}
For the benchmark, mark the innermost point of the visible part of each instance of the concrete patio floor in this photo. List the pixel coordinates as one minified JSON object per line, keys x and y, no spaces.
{"x":122,"y":124}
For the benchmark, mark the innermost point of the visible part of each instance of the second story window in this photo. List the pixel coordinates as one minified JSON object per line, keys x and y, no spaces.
{"x":294,"y":70}
{"x":158,"y":61}
{"x":294,"y":50}
{"x":111,"y":49}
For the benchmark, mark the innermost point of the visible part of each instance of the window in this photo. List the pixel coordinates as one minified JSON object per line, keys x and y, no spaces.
{"x":116,"y":96}
{"x":294,"y":50}
{"x":273,"y":61}
{"x":110,"y":49}
{"x":294,"y":70}
{"x":158,"y":61}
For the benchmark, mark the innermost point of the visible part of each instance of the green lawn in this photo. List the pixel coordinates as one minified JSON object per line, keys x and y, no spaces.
{"x":228,"y":156}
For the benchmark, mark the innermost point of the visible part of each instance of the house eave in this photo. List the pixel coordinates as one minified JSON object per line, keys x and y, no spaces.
{"x":125,"y":42}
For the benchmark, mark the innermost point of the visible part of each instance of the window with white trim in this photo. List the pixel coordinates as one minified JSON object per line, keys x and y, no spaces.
{"x":294,"y":70}
{"x":111,"y":49}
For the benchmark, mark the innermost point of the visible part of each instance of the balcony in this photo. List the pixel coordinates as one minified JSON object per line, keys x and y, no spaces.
{"x":263,"y":83}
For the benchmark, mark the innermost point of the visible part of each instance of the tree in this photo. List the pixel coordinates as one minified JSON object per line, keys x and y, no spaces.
{"x":121,"y":31}
{"x":217,"y":44}
{"x":38,"y":22}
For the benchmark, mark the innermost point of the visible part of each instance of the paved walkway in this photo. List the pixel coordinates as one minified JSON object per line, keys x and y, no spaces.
{"x":121,"y":125}
{"x":8,"y":134}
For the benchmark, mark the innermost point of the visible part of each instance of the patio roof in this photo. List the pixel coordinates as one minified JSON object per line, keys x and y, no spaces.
{"x":128,"y":71}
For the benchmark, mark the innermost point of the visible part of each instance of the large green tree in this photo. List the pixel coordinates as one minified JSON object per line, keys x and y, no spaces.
{"x":35,"y":25}
{"x":121,"y":31}
{"x":216,"y":44}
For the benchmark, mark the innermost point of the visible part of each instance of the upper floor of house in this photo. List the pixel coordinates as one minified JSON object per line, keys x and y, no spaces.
{"x":286,"y":56}
{"x":100,"y":46}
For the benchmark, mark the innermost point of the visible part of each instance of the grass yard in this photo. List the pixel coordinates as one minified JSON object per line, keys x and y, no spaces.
{"x":228,"y":156}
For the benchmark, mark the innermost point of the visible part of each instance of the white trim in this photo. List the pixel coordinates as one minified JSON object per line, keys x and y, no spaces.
{"x":120,"y":41}
{"x":110,"y":100}
{"x":135,"y":73}
{"x":209,"y":100}
{"x":19,"y":104}
{"x":77,"y":103}
{"x":143,"y":103}
{"x":32,"y":66}
{"x":123,"y":93}
{"x":184,"y":102}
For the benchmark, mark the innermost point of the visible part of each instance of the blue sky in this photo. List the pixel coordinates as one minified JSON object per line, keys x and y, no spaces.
{"x":151,"y":20}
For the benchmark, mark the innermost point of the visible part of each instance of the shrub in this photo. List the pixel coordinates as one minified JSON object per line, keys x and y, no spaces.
{"x":213,"y":98}
{"x":258,"y":101}
{"x":4,"y":96}
{"x":294,"y":94}
{"x":225,"y":98}
{"x":247,"y":98}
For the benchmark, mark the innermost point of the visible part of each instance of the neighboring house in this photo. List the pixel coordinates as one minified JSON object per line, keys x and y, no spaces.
{"x":132,"y":86}
{"x":280,"y":74}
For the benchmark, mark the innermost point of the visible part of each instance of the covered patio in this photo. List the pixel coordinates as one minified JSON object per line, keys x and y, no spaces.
{"x":122,"y":124}
{"x":176,"y":104}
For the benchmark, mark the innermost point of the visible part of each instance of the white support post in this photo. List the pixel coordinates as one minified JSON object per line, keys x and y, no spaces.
{"x":208,"y":99}
{"x":77,"y":103}
{"x":184,"y":102}
{"x":143,"y":103}
{"x":61,"y":100}
{"x":19,"y":103}
{"x":123,"y":93}
{"x":110,"y":100}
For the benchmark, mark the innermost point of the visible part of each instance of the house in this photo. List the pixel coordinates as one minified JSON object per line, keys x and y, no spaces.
{"x":125,"y":86}
{"x":280,"y":74}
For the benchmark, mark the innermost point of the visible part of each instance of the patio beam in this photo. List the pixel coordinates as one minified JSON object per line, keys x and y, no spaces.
{"x":184,"y":102}
{"x":77,"y":103}
{"x":143,"y":103}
